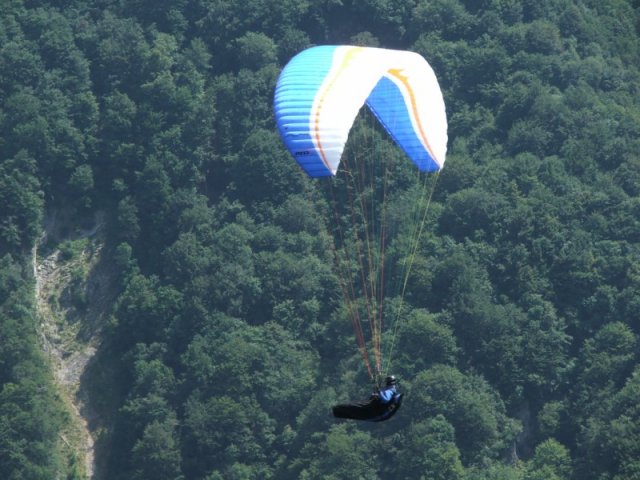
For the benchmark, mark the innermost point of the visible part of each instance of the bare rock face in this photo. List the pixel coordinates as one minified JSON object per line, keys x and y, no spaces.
{"x":74,"y":294}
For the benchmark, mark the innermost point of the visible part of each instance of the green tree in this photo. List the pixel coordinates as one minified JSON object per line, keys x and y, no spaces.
{"x":221,"y":431}
{"x":608,"y":442}
{"x":255,"y":50}
{"x":606,"y":362}
{"x":429,"y":451}
{"x":157,"y":454}
{"x":550,"y":461}
{"x":425,"y":340}
{"x":145,"y":310}
{"x":482,"y":429}
{"x":264,"y":361}
{"x":20,"y":193}
{"x":31,"y":412}
{"x":339,"y":454}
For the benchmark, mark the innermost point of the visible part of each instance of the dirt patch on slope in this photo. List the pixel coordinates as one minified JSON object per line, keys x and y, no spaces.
{"x":74,"y":295}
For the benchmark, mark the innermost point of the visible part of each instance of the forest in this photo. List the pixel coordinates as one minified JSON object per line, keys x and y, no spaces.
{"x":225,"y":340}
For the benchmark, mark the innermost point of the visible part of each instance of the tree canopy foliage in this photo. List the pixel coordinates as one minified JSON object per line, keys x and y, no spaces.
{"x":519,"y":346}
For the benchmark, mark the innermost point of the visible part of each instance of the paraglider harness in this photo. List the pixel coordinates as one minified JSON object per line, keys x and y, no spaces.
{"x":375,"y":409}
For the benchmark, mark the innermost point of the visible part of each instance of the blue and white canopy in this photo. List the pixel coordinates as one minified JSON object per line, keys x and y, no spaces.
{"x":321,"y":90}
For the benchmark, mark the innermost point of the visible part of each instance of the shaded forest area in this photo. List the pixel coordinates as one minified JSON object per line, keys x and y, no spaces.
{"x":227,"y":344}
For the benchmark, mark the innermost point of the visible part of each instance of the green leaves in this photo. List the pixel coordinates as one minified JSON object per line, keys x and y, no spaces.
{"x":20,"y":193}
{"x":469,"y":405}
{"x":343,"y":452}
{"x":428,"y":451}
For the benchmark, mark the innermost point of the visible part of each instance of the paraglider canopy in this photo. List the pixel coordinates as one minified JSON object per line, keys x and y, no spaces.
{"x":321,"y":90}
